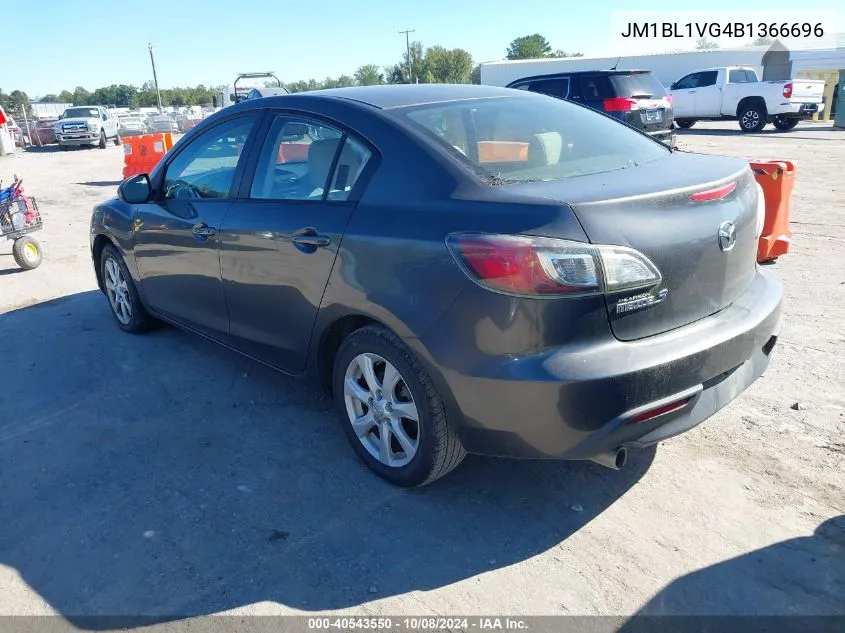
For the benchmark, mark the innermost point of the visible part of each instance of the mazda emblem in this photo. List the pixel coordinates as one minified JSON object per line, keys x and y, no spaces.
{"x":727,"y":236}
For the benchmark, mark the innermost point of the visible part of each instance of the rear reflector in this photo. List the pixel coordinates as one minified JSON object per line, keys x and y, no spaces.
{"x":714,"y":194}
{"x":620,"y":104}
{"x":661,"y":410}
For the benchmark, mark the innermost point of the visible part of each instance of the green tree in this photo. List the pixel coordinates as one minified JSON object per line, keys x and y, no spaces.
{"x":476,"y":74}
{"x":49,"y":98}
{"x":447,"y":66}
{"x":369,"y":75}
{"x":560,"y":53}
{"x":529,"y":47}
{"x":80,"y":96}
{"x":703,"y":43}
{"x":65,"y":97}
{"x":16,"y":102}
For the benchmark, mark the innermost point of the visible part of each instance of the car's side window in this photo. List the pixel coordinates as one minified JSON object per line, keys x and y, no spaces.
{"x":206,"y":167}
{"x":307,"y":160}
{"x":688,"y":82}
{"x":552,"y":87}
{"x":596,"y":87}
{"x":708,"y":78}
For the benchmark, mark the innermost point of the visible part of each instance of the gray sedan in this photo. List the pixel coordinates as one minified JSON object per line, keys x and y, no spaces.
{"x":464,"y":269}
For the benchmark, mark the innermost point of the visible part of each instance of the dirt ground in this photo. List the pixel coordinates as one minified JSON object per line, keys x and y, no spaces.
{"x":163,"y":475}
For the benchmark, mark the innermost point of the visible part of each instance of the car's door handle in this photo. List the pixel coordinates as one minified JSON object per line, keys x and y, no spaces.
{"x":201,"y":228}
{"x":308,"y":237}
{"x":691,"y":92}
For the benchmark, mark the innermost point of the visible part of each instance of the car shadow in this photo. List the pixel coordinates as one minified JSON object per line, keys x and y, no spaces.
{"x":100,"y":183}
{"x":766,"y":133}
{"x":802,"y":578}
{"x":165,"y":476}
{"x":43,"y":149}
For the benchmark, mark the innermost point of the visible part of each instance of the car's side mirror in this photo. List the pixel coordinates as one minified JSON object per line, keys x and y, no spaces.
{"x":135,"y":190}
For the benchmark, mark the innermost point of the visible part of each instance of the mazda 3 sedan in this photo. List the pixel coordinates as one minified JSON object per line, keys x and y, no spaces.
{"x":465,"y":268}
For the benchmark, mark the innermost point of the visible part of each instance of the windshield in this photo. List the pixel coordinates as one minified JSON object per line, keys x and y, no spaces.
{"x":532,"y":137}
{"x":83,"y":113}
{"x":637,"y":85}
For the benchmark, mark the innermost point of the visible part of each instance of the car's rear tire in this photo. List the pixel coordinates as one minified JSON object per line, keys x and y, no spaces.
{"x":784,"y":124}
{"x":126,"y":306}
{"x":103,"y":141}
{"x":27,"y":253}
{"x":685,"y":124}
{"x":391,"y":411}
{"x":752,"y":118}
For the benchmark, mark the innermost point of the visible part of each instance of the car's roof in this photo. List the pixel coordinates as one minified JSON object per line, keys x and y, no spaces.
{"x":400,"y":95}
{"x":582,"y":72}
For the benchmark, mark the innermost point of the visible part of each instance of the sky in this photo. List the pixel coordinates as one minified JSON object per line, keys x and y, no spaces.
{"x":211,"y":41}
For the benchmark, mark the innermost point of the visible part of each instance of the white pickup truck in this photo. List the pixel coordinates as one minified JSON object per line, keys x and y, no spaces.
{"x":87,"y":125}
{"x":736,"y":93}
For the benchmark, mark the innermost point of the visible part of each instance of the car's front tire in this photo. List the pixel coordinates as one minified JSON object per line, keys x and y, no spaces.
{"x":103,"y":141}
{"x":391,"y":411}
{"x":126,"y":306}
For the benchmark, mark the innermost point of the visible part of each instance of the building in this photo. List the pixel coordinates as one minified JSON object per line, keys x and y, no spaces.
{"x":770,"y":62}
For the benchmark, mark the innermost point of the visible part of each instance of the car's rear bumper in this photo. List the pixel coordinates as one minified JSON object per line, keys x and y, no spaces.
{"x":581,"y":400}
{"x":797,"y":110}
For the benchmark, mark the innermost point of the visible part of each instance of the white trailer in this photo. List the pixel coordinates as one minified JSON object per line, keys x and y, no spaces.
{"x":667,"y":67}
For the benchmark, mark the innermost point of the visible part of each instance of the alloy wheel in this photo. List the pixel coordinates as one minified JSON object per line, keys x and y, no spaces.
{"x":117,"y":291}
{"x":381,"y":410}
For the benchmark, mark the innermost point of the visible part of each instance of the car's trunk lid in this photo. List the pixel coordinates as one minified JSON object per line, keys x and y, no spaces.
{"x":649,"y":208}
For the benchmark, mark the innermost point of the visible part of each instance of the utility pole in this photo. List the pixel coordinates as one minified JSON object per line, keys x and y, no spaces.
{"x":407,"y":33}
{"x":155,"y":77}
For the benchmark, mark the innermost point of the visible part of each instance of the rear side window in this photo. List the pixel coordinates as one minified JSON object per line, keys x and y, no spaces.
{"x":526,"y":138}
{"x":552,"y":87}
{"x":597,"y":87}
{"x":301,"y":157}
{"x":642,"y":85}
{"x":707,"y":78}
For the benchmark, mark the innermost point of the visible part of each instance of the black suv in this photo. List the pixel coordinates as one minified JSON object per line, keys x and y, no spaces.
{"x":634,"y":97}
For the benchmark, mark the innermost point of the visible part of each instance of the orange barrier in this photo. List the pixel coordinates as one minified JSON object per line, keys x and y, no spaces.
{"x":142,"y":153}
{"x":777,"y":178}
{"x":293,"y":152}
{"x":502,"y":152}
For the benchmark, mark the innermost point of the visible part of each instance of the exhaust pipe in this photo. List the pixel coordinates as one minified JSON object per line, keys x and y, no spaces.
{"x":615,"y":459}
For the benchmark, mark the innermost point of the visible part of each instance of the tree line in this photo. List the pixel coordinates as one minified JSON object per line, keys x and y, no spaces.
{"x":433,"y":64}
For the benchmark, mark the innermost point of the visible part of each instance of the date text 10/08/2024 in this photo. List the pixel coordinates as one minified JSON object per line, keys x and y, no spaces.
{"x":772,"y":30}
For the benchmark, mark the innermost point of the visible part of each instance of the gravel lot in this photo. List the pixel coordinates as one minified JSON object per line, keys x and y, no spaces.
{"x":164,"y":475}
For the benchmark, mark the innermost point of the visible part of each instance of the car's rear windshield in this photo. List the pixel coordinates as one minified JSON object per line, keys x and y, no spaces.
{"x":532,"y":137}
{"x":72,"y":113}
{"x":637,"y":85}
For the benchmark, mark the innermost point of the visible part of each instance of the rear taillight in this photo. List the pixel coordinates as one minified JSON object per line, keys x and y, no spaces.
{"x":620,"y":104}
{"x":669,"y":99}
{"x":526,"y":265}
{"x":787,"y":90}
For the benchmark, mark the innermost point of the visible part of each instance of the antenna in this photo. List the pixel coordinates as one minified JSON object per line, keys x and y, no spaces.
{"x":617,"y":63}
